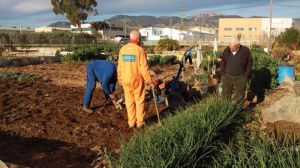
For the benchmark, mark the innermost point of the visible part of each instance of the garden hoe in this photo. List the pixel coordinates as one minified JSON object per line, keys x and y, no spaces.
{"x":107,"y":102}
{"x":157,"y":113}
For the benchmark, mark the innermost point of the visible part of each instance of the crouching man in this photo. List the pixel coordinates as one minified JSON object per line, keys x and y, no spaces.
{"x":104,"y":72}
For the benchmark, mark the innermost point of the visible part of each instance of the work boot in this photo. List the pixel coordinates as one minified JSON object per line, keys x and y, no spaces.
{"x":140,"y":126}
{"x":87,"y":110}
{"x":131,"y":126}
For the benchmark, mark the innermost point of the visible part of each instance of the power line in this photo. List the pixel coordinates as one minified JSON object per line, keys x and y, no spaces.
{"x":242,"y":7}
{"x":291,"y":6}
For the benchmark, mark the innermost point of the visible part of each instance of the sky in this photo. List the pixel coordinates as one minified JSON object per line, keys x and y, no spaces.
{"x":31,"y":13}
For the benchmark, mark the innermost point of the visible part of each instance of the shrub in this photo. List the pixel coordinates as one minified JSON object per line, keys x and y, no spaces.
{"x":184,"y":140}
{"x":264,"y":72}
{"x":168,"y":59}
{"x":87,"y":52}
{"x":168,"y":45}
{"x":25,"y":38}
{"x":278,"y":52}
{"x":153,"y":60}
{"x":161,"y":60}
{"x":290,"y":38}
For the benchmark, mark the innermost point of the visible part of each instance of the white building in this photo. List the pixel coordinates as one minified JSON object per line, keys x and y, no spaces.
{"x":50,"y":29}
{"x":15,"y":28}
{"x":279,"y":25}
{"x":156,"y":33}
{"x":86,"y":28}
{"x":112,"y":31}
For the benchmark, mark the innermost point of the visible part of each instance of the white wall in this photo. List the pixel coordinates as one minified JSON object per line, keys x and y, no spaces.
{"x":86,"y":28}
{"x":278,"y":25}
{"x":156,"y":33}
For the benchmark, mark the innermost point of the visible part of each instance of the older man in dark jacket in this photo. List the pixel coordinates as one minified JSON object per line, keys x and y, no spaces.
{"x":236,"y":67}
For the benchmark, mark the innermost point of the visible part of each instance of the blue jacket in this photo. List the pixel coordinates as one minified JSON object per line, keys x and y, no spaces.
{"x":106,"y":73}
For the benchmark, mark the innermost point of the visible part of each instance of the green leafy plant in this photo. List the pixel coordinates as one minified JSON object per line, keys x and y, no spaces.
{"x":290,"y":38}
{"x":161,"y":60}
{"x":87,"y":52}
{"x":184,"y":140}
{"x":203,"y":78}
{"x":258,"y":152}
{"x":264,"y":72}
{"x":168,"y":45}
{"x":206,"y":63}
{"x":297,"y":77}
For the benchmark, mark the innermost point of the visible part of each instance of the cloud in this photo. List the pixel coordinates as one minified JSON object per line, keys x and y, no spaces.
{"x":33,"y":11}
{"x":32,"y":6}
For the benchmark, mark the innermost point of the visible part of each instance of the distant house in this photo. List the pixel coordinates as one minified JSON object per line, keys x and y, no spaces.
{"x":207,"y":30}
{"x":86,"y":28}
{"x":252,"y":29}
{"x":15,"y":28}
{"x":48,"y":29}
{"x":107,"y":33}
{"x":157,"y":33}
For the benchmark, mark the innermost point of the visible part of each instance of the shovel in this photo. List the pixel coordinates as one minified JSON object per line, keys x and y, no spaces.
{"x":154,"y":98}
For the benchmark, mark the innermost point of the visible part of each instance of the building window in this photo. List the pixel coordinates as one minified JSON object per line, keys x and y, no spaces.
{"x":252,"y":29}
{"x":227,"y":29}
{"x":239,"y":29}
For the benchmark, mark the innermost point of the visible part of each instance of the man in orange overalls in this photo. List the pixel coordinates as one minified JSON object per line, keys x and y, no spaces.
{"x":133,"y":72}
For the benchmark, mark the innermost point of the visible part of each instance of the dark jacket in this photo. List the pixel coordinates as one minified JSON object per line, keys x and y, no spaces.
{"x":246,"y":61}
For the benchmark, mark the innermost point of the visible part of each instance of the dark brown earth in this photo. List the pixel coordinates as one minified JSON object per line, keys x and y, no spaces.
{"x":284,"y":130}
{"x":42,"y":125}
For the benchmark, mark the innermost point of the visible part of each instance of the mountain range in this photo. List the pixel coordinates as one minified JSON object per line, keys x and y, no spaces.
{"x":207,"y":20}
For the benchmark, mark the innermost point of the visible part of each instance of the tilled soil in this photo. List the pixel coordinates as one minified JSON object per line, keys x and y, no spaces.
{"x":63,"y":74}
{"x":42,"y":125}
{"x":46,"y":119}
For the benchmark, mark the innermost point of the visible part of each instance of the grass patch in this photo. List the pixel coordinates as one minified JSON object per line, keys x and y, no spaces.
{"x":18,"y":76}
{"x":185,"y":140}
{"x":259,"y":152}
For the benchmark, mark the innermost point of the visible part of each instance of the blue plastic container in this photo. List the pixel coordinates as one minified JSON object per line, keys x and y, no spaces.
{"x":285,"y":72}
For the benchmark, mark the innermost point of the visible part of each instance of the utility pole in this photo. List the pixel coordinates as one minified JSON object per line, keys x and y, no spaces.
{"x":200,"y":25}
{"x":125,"y":22}
{"x":171,"y":27}
{"x":181,"y":22}
{"x":181,"y":17}
{"x":270,"y":33}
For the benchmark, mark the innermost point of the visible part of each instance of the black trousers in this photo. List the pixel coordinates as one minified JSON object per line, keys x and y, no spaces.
{"x":236,"y":84}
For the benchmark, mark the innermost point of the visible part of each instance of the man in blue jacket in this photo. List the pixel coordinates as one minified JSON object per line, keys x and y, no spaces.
{"x":104,"y":72}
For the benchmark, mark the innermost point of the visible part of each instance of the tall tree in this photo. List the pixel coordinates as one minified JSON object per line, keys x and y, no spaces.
{"x":75,"y":10}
